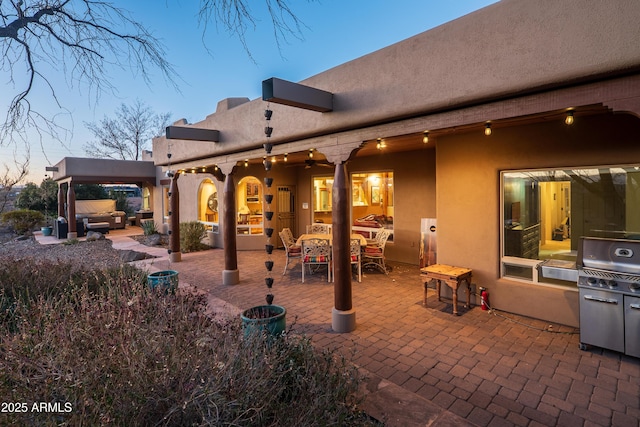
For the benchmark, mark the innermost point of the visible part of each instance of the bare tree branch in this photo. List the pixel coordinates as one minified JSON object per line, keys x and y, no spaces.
{"x":237,"y":18}
{"x":128,"y":134}
{"x":80,"y":38}
{"x":10,"y":178}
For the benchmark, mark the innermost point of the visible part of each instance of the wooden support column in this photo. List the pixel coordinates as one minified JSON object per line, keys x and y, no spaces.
{"x":71,"y":211}
{"x":343,"y":315}
{"x":61,"y":212}
{"x":174,"y":220}
{"x":230,"y":274}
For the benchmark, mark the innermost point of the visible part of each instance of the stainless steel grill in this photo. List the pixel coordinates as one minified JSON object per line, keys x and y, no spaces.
{"x":609,"y":287}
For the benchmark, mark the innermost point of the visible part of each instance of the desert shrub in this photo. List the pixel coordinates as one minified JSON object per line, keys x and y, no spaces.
{"x":23,"y":220}
{"x":191,"y":234}
{"x":149,"y":227}
{"x":115,"y":353}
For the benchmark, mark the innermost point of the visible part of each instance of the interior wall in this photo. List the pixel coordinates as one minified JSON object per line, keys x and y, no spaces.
{"x":468,"y":197}
{"x":414,"y":196}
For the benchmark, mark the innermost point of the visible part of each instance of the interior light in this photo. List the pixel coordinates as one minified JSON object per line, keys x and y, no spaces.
{"x":487,"y":129}
{"x":569,"y":119}
{"x":425,"y":137}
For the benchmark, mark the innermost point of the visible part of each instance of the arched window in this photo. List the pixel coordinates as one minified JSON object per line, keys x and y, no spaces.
{"x":249,"y":206}
{"x":208,"y":204}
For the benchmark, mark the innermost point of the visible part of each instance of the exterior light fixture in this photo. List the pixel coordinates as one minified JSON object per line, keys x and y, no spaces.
{"x":311,"y":153}
{"x":380,"y":144}
{"x":487,"y":129}
{"x":425,"y":137}
{"x":569,"y":119}
{"x":215,"y":168}
{"x":273,"y":159}
{"x":246,"y":163}
{"x":285,"y":156}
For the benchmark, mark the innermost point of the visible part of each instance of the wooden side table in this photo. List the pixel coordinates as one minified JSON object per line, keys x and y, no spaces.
{"x":451,"y":276}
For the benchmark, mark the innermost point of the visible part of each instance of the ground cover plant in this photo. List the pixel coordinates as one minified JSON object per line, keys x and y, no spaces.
{"x":99,"y":348}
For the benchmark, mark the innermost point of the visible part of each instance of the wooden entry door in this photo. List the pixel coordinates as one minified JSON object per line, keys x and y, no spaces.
{"x":286,"y":209}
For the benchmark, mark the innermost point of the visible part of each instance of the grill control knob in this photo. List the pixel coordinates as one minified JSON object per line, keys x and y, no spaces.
{"x":592,"y":281}
{"x":602,"y":283}
{"x":634,"y":287}
{"x":613,"y":284}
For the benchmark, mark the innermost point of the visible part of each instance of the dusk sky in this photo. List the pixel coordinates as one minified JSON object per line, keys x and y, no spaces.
{"x":216,"y":66}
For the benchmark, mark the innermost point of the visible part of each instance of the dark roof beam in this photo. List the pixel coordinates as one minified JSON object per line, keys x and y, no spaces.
{"x":193,"y":134}
{"x":296,"y":95}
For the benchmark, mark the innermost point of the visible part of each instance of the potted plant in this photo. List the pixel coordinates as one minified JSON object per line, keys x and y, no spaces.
{"x":47,"y":227}
{"x":270,"y":318}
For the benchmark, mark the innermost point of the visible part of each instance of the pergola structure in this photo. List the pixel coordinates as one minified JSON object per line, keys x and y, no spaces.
{"x":80,"y":170}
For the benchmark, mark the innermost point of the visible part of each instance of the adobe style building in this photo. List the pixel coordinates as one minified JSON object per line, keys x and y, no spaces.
{"x":515,"y":127}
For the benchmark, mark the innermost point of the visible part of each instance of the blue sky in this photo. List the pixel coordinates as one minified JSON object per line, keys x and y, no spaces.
{"x":336,"y":31}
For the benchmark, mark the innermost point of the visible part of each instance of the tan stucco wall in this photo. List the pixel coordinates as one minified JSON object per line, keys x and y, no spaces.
{"x":510,"y":47}
{"x":468,"y":197}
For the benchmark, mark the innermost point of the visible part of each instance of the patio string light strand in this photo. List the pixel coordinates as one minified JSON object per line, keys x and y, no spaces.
{"x":268,"y":197}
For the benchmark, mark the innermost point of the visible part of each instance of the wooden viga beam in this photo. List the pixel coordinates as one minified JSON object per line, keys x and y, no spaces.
{"x":296,"y":95}
{"x":192,"y":134}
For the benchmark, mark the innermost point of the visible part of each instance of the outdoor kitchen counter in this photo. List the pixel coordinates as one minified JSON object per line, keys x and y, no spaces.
{"x":451,"y":276}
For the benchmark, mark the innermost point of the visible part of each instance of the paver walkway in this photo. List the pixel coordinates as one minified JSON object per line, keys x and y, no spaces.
{"x":427,"y":367}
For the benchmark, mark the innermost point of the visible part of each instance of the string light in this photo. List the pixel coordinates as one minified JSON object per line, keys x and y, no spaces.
{"x":569,"y":119}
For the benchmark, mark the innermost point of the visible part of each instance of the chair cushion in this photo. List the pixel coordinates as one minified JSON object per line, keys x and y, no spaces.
{"x":372,"y":250}
{"x":318,"y":258}
{"x":354,"y":258}
{"x":295,"y":249}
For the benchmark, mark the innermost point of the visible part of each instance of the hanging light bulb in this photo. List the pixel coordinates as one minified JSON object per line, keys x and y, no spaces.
{"x":569,"y":119}
{"x":311,"y":153}
{"x":487,"y":129}
{"x":379,"y":144}
{"x":285,"y":156}
{"x":425,"y":137}
{"x":246,"y":162}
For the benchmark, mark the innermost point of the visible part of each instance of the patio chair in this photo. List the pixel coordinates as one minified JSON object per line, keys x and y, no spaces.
{"x":373,"y":255}
{"x":318,"y":228}
{"x":356,"y":256}
{"x":292,"y":250}
{"x":316,"y":252}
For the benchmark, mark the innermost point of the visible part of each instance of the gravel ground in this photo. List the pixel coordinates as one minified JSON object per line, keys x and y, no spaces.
{"x":99,"y":254}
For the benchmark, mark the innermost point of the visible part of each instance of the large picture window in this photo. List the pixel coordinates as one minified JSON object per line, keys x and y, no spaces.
{"x":545,"y":212}
{"x":372,"y":202}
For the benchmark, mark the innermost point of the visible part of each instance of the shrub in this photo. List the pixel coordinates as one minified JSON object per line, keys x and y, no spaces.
{"x":191,"y":234}
{"x":23,"y":220}
{"x":119,"y":354}
{"x":149,"y":227}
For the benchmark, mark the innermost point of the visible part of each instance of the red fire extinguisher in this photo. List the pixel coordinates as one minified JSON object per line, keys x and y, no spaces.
{"x":484,"y":298}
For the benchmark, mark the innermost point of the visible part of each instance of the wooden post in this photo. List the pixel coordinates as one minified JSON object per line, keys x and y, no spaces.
{"x":230,"y":274}
{"x":174,"y":220}
{"x":71,"y":210}
{"x":61,"y":212}
{"x":343,"y":316}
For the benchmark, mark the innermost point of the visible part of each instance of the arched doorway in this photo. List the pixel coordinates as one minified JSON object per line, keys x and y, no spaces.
{"x":249,"y":201}
{"x":208,"y":212}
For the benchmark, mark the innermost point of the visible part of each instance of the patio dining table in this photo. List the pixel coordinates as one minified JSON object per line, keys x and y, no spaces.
{"x":363,"y":240}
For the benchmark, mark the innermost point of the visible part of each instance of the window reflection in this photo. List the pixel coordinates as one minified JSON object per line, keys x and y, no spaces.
{"x":545,"y":212}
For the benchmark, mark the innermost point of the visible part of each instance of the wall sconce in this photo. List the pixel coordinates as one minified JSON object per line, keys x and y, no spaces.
{"x":569,"y":119}
{"x":285,"y":156}
{"x":425,"y":137}
{"x":487,"y":129}
{"x":311,"y":153}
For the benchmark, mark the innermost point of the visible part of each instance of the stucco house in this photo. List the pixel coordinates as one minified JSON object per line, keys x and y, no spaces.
{"x":515,"y":127}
